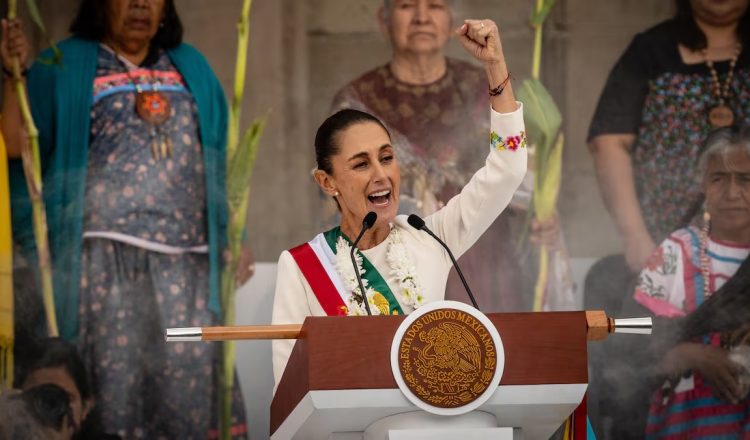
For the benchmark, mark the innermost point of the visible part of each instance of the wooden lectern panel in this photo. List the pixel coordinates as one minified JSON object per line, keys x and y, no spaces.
{"x":336,"y":353}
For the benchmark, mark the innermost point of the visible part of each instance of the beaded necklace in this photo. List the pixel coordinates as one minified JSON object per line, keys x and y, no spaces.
{"x":153,"y":107}
{"x":721,"y":115}
{"x":704,"y":260}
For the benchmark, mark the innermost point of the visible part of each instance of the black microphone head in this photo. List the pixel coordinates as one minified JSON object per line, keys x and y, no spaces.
{"x":369,"y":220}
{"x":416,"y":221}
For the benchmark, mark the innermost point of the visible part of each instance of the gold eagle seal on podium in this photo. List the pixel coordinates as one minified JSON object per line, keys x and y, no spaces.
{"x":446,"y":356}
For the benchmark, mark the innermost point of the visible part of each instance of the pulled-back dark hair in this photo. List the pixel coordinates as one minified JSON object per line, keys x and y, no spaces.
{"x":326,"y":139}
{"x":91,"y":23}
{"x":56,"y":353}
{"x":690,"y":35}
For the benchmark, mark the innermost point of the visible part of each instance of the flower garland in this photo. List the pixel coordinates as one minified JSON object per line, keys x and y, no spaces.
{"x":354,"y":305}
{"x":404,"y":270}
{"x":401,"y":267}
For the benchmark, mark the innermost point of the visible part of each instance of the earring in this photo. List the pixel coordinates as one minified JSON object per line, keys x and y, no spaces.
{"x":336,"y":194}
{"x":161,"y":25}
{"x":706,"y":220}
{"x":706,"y":223}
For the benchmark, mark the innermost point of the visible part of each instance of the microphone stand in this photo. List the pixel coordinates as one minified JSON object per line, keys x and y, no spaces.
{"x":417,"y":223}
{"x":367,"y":223}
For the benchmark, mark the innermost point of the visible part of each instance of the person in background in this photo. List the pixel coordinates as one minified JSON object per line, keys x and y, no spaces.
{"x":435,"y":108}
{"x":132,"y":134}
{"x":707,"y":379}
{"x":56,"y":362}
{"x":38,"y":413}
{"x":674,"y":84}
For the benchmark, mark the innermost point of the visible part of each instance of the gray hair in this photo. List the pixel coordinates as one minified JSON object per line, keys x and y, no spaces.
{"x":388,"y":7}
{"x":721,"y":143}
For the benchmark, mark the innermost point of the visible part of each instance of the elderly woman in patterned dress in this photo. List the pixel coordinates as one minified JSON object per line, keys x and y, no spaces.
{"x":132,"y":130}
{"x":707,"y":389}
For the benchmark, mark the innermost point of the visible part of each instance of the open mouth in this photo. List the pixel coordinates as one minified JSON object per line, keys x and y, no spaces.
{"x":380,"y":198}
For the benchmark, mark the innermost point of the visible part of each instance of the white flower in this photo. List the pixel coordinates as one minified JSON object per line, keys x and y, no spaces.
{"x":404,"y":270}
{"x":345,"y":268}
{"x":401,"y":267}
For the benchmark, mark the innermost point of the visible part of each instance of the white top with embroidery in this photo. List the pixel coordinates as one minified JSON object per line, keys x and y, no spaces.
{"x":667,"y":285}
{"x":460,"y":223}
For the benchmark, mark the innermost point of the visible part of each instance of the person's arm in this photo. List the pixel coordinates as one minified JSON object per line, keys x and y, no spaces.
{"x":470,"y":213}
{"x":13,"y":43}
{"x":245,"y":265}
{"x":611,"y":136}
{"x":661,"y":284}
{"x":481,"y":38}
{"x":712,"y":362}
{"x":466,"y":216}
{"x":614,"y":171}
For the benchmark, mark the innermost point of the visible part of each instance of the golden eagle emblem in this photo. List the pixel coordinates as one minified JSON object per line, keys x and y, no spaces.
{"x":447,"y":358}
{"x":452,"y":347}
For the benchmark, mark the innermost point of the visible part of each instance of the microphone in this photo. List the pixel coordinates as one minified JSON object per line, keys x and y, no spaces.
{"x":416,"y":222}
{"x":367,"y":223}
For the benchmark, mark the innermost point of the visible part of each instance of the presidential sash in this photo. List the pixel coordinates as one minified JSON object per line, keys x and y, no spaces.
{"x":319,"y":280}
{"x":317,"y":262}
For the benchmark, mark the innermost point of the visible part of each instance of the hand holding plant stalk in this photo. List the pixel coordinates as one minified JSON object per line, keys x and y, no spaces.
{"x":33,"y":172}
{"x":543,"y":122}
{"x":241,"y":154}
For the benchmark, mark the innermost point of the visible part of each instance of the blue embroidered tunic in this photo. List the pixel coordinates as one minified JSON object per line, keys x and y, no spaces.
{"x":61,"y":98}
{"x":128,"y":191}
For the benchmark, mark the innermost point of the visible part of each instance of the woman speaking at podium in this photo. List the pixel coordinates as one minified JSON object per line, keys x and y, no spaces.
{"x":401,"y":267}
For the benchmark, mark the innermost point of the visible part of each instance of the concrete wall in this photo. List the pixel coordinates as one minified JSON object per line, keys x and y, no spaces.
{"x":302,"y":51}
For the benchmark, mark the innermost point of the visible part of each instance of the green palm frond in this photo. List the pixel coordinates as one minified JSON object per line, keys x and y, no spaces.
{"x":33,"y":173}
{"x":239,"y":173}
{"x":540,"y":14}
{"x":541,"y":115}
{"x":241,"y":164}
{"x":543,"y":126}
{"x":36,"y":17}
{"x":241,"y":155}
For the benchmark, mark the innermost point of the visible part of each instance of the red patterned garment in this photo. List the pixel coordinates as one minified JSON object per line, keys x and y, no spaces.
{"x":672,"y":285}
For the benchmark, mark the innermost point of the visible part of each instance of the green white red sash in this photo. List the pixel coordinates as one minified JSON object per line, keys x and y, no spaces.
{"x":317,"y":261}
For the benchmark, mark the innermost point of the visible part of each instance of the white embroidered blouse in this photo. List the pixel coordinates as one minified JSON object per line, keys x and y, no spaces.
{"x":460,"y":223}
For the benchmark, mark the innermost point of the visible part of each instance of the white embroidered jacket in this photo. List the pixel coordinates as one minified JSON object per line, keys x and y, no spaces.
{"x":460,"y":223}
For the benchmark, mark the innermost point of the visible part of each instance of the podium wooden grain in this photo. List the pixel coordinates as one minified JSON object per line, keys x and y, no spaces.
{"x":337,"y":353}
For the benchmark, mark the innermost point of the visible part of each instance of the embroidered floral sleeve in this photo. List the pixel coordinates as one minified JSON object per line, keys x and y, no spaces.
{"x":512,"y":142}
{"x":661,"y":287}
{"x":466,"y":216}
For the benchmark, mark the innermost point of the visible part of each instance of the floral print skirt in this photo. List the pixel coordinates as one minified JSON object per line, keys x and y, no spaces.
{"x":145,"y":387}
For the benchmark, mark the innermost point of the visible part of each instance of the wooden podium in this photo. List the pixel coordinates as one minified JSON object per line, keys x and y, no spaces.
{"x":338,"y":380}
